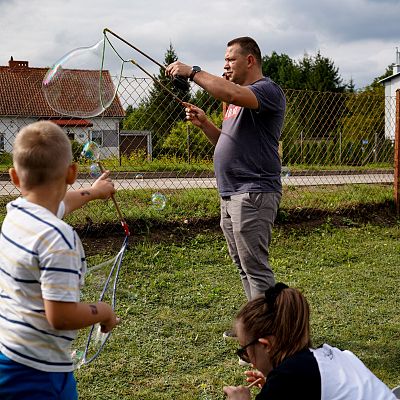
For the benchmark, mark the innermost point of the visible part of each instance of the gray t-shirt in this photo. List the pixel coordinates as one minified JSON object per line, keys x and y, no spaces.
{"x":246,"y":157}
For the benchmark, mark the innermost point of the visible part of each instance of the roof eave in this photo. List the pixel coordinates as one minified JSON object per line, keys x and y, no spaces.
{"x":389,"y":78}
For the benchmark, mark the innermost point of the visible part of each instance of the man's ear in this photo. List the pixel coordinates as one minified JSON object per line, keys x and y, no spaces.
{"x":250,"y":60}
{"x":72,"y":173}
{"x":14,"y":177}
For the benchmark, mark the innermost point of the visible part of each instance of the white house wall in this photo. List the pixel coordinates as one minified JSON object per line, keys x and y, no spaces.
{"x":107,"y":124}
{"x":10,"y":126}
{"x":391,"y":87}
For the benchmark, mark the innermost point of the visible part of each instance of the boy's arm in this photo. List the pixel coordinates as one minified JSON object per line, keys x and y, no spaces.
{"x":102,"y":188}
{"x":71,"y":316}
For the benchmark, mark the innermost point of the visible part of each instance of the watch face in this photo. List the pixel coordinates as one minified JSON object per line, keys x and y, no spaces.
{"x":195,"y":69}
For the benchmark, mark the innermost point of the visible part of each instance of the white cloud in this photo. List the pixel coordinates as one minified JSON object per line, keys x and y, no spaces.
{"x":359,"y":36}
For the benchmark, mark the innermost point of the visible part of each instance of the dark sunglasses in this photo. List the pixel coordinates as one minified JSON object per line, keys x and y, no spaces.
{"x":242,"y":351}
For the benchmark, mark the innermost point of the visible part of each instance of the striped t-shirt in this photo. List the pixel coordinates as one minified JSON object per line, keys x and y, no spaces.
{"x":41,"y":257}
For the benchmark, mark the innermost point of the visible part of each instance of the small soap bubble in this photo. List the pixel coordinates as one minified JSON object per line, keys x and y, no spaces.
{"x":159,"y":201}
{"x":77,"y":358}
{"x":91,"y":150}
{"x":95,"y":171}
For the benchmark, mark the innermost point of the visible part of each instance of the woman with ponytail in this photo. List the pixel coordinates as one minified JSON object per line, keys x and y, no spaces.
{"x":274,"y":332}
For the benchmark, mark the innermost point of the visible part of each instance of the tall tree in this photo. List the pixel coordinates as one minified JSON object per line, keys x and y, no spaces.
{"x":319,"y":73}
{"x":311,"y":114}
{"x":376,"y":86}
{"x":206,"y":102}
{"x":159,"y":111}
{"x":310,"y":73}
{"x":282,"y":70}
{"x":163,"y":110}
{"x":364,"y":123}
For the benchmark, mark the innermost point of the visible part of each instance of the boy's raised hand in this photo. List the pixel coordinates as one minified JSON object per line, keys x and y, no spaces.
{"x":103,"y":186}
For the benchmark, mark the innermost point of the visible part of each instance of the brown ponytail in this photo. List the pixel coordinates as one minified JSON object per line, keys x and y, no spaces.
{"x":283,"y":313}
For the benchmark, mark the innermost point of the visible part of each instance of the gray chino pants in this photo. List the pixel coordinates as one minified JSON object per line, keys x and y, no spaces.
{"x":246,"y":221}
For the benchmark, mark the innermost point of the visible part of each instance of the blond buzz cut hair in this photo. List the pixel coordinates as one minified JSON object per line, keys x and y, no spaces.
{"x":41,"y":154}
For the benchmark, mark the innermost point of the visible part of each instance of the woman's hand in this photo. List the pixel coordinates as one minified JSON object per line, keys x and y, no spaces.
{"x":237,"y":392}
{"x":254,"y":375}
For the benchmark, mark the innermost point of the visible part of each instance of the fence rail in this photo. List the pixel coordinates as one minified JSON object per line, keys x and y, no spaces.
{"x":328,"y":140}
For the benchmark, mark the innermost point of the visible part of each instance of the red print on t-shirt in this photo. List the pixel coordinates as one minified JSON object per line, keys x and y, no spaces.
{"x":232,"y":111}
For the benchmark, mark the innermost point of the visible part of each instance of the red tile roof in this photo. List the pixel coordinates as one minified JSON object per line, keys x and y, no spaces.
{"x":21,"y":92}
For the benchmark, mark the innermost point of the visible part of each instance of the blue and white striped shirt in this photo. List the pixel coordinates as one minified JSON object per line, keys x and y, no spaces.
{"x":41,"y":257}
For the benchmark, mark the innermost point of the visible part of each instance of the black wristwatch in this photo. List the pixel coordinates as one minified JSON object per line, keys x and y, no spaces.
{"x":195,"y":70}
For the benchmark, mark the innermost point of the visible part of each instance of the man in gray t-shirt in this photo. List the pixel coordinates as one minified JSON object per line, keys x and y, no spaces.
{"x":246,"y":156}
{"x":246,"y":160}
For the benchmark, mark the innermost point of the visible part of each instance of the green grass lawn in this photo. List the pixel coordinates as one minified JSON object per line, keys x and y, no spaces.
{"x":177,"y":296}
{"x":179,"y":291}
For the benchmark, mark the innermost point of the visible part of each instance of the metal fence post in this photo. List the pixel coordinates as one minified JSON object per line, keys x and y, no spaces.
{"x":340,"y":143}
{"x":397,"y":154}
{"x":188,"y":142}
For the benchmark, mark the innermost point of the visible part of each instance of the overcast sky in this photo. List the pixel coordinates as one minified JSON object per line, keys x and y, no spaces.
{"x":360,"y":36}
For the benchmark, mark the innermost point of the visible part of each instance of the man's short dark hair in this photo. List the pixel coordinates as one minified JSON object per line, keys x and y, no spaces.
{"x":248,"y":46}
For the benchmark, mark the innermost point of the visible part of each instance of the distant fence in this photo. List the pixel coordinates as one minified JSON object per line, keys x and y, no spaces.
{"x":329,"y":140}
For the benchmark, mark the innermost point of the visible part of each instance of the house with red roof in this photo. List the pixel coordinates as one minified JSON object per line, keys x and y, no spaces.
{"x":22,"y":101}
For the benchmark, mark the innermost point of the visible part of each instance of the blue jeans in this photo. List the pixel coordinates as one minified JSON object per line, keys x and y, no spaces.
{"x":246,"y":221}
{"x":19,"y":382}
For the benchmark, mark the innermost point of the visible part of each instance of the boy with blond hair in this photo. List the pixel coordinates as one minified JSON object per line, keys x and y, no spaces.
{"x":42,"y":265}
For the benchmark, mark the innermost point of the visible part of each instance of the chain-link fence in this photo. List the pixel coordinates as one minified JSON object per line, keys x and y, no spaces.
{"x":331,"y":142}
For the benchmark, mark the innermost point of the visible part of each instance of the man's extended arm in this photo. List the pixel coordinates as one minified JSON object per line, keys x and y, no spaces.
{"x":218,"y":87}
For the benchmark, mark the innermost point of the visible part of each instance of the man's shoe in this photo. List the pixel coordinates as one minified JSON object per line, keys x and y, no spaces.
{"x":230,"y":335}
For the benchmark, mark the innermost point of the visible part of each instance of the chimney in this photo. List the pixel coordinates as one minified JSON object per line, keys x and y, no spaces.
{"x":17,"y":64}
{"x":396,"y":66}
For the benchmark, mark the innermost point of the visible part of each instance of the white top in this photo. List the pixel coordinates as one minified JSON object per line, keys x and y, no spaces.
{"x":41,"y":257}
{"x":344,"y":377}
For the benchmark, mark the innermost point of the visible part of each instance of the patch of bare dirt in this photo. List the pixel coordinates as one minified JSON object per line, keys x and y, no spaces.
{"x":109,"y":237}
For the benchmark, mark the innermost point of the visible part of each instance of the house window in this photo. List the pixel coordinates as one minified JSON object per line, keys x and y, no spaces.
{"x":2,"y":142}
{"x":97,"y":136}
{"x":71,"y":135}
{"x":110,"y":138}
{"x":105,"y":138}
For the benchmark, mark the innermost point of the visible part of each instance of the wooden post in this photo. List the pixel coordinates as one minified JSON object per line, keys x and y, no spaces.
{"x":397,"y":155}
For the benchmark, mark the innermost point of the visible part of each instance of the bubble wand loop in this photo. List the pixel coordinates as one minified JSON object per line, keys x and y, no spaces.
{"x":133,"y":47}
{"x":179,"y":81}
{"x":121,"y":218}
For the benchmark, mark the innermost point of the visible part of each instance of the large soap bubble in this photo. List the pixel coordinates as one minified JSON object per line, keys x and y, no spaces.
{"x":84,"y":82}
